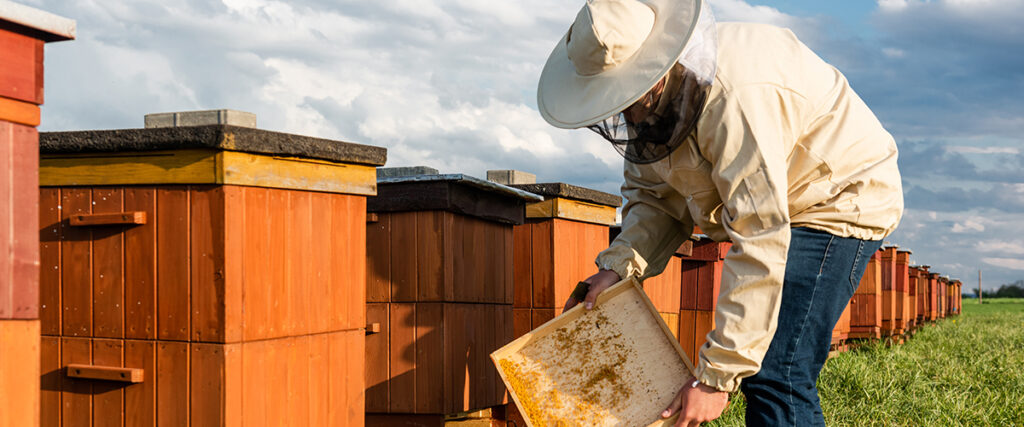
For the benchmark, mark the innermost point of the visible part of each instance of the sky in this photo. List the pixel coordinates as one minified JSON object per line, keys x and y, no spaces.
{"x":452,"y":84}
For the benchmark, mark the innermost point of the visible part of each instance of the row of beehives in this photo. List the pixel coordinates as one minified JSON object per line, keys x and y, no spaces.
{"x":250,"y":286}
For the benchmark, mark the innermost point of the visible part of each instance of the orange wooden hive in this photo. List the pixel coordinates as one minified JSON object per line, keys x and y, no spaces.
{"x":226,"y":263}
{"x":555,"y":249}
{"x":901,"y":295}
{"x":440,"y":289}
{"x":700,"y":281}
{"x":933,"y":296}
{"x":23,"y":32}
{"x":913,"y":278}
{"x":889,"y":295}
{"x":866,"y":304}
{"x":922,"y":294}
{"x":943,"y":298}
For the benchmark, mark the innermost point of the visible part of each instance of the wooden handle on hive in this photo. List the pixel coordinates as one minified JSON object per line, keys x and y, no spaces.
{"x":372,"y":328}
{"x":115,"y":218}
{"x":106,"y":373}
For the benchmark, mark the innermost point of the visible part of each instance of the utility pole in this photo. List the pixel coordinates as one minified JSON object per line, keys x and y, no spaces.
{"x":979,"y":286}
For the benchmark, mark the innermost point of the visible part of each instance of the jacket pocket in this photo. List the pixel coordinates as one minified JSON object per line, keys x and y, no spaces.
{"x":762,"y":200}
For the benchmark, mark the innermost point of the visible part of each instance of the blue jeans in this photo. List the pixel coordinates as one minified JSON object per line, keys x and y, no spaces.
{"x":822,"y":272}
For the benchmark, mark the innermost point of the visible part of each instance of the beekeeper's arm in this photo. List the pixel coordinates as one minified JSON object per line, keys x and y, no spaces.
{"x":655,"y":222}
{"x":747,"y":151}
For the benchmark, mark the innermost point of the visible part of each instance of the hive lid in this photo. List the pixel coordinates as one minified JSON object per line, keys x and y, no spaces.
{"x":219,"y":137}
{"x":458,"y":178}
{"x":457,"y":193}
{"x":574,"y":192}
{"x":47,"y":26}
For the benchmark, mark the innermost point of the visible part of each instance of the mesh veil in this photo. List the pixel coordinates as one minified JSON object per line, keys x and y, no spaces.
{"x":677,"y":109}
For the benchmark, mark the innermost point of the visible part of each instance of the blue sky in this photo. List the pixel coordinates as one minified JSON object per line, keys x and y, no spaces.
{"x":451,"y":84}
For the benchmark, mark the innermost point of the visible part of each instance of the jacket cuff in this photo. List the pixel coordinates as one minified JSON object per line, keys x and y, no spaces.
{"x":623,"y":260}
{"x":716,"y":378}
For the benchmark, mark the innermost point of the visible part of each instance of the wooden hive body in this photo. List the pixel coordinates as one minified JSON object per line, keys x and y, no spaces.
{"x":241,"y":304}
{"x":23,"y":33}
{"x":440,"y":288}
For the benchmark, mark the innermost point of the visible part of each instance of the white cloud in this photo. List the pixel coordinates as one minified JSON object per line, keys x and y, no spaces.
{"x":966,"y":149}
{"x":892,"y":5}
{"x":892,"y":52}
{"x":1000,"y":246}
{"x":1010,"y":263}
{"x":968,"y":225}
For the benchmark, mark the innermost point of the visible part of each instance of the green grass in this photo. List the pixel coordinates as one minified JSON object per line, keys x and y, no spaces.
{"x":963,"y":370}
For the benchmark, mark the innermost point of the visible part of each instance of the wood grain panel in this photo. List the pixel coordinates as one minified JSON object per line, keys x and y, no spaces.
{"x":140,"y":267}
{"x":49,"y":261}
{"x":704,"y":322}
{"x":208,"y":281}
{"x":299,"y":248}
{"x":51,"y":375}
{"x":521,"y":323}
{"x":688,"y":333}
{"x":20,"y":358}
{"x":172,"y":274}
{"x":377,"y":358}
{"x":429,"y":250}
{"x":456,"y":358}
{"x":321,"y":264}
{"x":543,"y":268}
{"x":140,"y":399}
{"x":256,"y":289}
{"x":509,"y":282}
{"x":461,"y":257}
{"x":108,"y":396}
{"x":402,"y":342}
{"x":378,"y":259}
{"x":24,"y":241}
{"x":255,"y":369}
{"x":352,"y":364}
{"x":76,"y":396}
{"x":108,"y":280}
{"x":172,"y":383}
{"x":76,"y":275}
{"x":353,"y":250}
{"x":7,"y":214}
{"x":278,"y":205}
{"x":403,"y":257}
{"x":320,"y":379}
{"x":430,"y":358}
{"x":689,"y":279}
{"x":299,"y":380}
{"x":21,"y":73}
{"x":206,"y":388}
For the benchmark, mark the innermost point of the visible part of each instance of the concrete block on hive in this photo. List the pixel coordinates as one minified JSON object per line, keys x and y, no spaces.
{"x":403,"y":171}
{"x":511,"y":177}
{"x":201,"y":118}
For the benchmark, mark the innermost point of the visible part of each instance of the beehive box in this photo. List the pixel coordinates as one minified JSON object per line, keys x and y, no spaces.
{"x":902,"y":291}
{"x":889,"y":295}
{"x":866,"y":304}
{"x":555,"y":248}
{"x":226,"y":263}
{"x":439,"y":254}
{"x":23,"y":33}
{"x":615,"y":365}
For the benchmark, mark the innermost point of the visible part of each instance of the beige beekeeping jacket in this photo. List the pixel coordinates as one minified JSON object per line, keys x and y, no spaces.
{"x":783,"y":142}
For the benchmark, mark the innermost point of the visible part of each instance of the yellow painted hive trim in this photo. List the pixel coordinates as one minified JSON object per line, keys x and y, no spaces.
{"x":572,"y":209}
{"x":20,"y":112}
{"x":205,"y":166}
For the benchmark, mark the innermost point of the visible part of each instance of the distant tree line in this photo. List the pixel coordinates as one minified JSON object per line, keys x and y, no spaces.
{"x":1011,"y":290}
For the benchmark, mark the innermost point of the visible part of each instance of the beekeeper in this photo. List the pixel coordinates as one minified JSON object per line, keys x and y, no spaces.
{"x":741,"y":130}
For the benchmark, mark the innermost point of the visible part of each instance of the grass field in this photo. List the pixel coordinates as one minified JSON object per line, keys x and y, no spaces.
{"x":964,"y":370}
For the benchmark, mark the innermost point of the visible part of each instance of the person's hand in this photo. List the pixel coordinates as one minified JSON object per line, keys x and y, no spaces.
{"x":696,"y":403}
{"x":604,"y":279}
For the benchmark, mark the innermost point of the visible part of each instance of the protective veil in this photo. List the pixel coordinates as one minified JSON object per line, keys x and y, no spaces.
{"x":675,"y":112}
